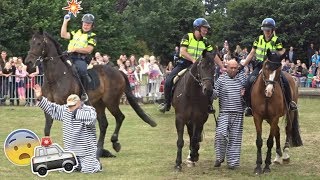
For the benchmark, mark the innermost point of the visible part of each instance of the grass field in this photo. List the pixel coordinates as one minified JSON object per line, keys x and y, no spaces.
{"x":149,"y":153}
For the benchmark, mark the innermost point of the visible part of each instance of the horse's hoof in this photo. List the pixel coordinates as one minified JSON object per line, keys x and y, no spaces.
{"x":258,"y":170}
{"x":286,"y":161}
{"x":276,"y":162}
{"x":190,"y":163}
{"x":116,"y":146}
{"x":266,"y":170}
{"x":178,"y":168}
{"x":107,"y":154}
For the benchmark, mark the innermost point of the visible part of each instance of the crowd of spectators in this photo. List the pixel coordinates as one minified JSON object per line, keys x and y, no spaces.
{"x":145,"y":74}
{"x":16,"y":81}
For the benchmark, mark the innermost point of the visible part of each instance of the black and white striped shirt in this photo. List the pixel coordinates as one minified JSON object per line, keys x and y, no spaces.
{"x":79,"y":132}
{"x":228,"y":91}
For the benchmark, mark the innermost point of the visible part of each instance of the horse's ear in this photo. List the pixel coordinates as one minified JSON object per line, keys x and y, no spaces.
{"x":41,"y":30}
{"x":283,"y":56}
{"x":268,"y":53}
{"x":204,"y":52}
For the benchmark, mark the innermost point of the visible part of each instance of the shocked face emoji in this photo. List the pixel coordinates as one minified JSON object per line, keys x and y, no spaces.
{"x":19,"y":146}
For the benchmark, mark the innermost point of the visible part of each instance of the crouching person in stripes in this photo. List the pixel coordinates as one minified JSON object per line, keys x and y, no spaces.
{"x":79,"y":132}
{"x":229,"y":89}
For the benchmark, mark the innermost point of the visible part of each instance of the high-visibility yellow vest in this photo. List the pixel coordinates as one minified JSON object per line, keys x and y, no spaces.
{"x":195,"y":47}
{"x":263,"y":46}
{"x":81,"y":40}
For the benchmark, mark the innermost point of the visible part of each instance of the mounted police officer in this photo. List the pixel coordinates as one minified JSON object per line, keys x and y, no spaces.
{"x":81,"y":44}
{"x":191,"y":48}
{"x":260,"y":46}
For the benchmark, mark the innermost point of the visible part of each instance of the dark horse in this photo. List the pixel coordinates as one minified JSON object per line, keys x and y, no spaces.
{"x":60,"y":81}
{"x":190,"y":100}
{"x":268,"y":103}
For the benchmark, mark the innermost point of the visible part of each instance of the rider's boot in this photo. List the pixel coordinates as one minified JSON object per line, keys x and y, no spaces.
{"x":85,"y":82}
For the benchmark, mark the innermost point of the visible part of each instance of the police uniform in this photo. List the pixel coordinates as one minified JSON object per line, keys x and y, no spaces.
{"x":79,"y":132}
{"x":261,"y":46}
{"x":195,"y":48}
{"x":80,"y":39}
{"x":230,"y":120}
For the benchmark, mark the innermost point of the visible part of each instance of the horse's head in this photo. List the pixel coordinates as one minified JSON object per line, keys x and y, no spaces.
{"x":42,"y":46}
{"x":271,"y":71}
{"x":37,"y":49}
{"x":205,"y":72}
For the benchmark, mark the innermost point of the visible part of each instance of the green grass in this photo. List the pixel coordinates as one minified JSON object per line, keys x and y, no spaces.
{"x":149,"y":153}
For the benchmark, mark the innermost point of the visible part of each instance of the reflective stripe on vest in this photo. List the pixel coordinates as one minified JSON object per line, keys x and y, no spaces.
{"x":79,"y":40}
{"x":263,"y":46}
{"x":195,"y":47}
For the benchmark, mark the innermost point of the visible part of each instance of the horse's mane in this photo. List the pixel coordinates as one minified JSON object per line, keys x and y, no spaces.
{"x":57,"y":46}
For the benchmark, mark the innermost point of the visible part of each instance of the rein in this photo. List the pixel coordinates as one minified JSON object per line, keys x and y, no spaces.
{"x":43,"y":55}
{"x":267,"y":81}
{"x":198,"y":77}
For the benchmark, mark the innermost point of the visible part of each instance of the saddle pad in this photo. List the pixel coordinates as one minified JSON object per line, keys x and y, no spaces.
{"x":95,"y":82}
{"x":177,"y":77}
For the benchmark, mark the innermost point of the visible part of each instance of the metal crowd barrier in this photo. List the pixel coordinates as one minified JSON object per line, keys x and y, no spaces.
{"x":150,"y":89}
{"x":10,"y":89}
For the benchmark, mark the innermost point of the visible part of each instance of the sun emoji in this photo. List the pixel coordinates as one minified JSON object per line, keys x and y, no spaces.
{"x":73,"y":7}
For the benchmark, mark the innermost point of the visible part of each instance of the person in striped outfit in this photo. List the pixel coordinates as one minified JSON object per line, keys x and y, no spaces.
{"x":229,"y":88}
{"x":78,"y":126}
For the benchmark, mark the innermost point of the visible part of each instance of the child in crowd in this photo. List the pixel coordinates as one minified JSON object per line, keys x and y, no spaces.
{"x":20,"y":75}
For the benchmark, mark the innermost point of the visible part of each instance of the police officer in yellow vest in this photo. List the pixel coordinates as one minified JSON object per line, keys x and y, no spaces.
{"x":191,"y":47}
{"x":260,"y":46}
{"x":81,"y":44}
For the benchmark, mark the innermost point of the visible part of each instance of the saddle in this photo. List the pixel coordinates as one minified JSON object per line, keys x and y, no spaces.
{"x":93,"y":74}
{"x":177,"y":77}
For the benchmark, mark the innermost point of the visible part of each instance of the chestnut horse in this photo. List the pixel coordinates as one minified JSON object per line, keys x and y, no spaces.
{"x":60,"y":81}
{"x":268,"y":104}
{"x":190,"y":101}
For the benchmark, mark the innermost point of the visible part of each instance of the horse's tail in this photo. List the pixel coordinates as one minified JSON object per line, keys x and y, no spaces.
{"x":295,"y":131}
{"x":135,"y":105}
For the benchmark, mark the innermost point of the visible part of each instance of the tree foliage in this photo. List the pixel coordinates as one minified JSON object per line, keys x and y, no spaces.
{"x":155,"y":27}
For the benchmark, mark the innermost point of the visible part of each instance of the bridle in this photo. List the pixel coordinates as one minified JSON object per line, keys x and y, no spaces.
{"x":267,"y":81}
{"x":43,"y":55}
{"x":198,"y":77}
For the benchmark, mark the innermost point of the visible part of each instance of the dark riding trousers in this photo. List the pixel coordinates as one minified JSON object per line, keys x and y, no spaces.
{"x":181,"y":64}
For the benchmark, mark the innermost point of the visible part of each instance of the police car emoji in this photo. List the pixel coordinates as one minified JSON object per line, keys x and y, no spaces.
{"x":51,"y":157}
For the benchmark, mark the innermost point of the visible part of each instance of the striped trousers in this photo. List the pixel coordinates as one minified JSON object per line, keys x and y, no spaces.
{"x":88,"y":164}
{"x":228,"y":137}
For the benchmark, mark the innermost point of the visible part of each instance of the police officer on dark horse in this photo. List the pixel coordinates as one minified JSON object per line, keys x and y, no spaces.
{"x":260,"y":46}
{"x":191,"y":48}
{"x":81,"y":44}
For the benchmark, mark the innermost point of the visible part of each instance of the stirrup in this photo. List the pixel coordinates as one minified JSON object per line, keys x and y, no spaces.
{"x":164,"y":107}
{"x":248,"y":112}
{"x":293,"y":106}
{"x":211,"y":109}
{"x":84,"y":97}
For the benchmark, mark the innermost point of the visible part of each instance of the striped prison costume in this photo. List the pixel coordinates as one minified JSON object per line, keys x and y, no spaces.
{"x":79,"y":132}
{"x":230,"y":120}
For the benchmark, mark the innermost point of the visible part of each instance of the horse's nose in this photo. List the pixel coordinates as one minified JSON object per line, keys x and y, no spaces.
{"x":207,"y":91}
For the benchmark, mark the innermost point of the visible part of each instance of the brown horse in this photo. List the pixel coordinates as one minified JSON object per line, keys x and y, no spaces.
{"x":190,"y":100}
{"x":60,"y":81}
{"x":268,"y":103}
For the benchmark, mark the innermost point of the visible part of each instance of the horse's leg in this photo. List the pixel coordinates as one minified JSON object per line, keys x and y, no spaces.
{"x":180,"y":142}
{"x":48,"y":124}
{"x":116,"y":112}
{"x":103,"y":125}
{"x":190,"y":133}
{"x":286,"y":156}
{"x":273,"y":129}
{"x":258,"y":124}
{"x":278,"y":159}
{"x":195,"y":143}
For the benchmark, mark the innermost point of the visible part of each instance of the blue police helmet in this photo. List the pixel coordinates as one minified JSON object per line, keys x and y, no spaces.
{"x":268,"y":24}
{"x":200,"y":22}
